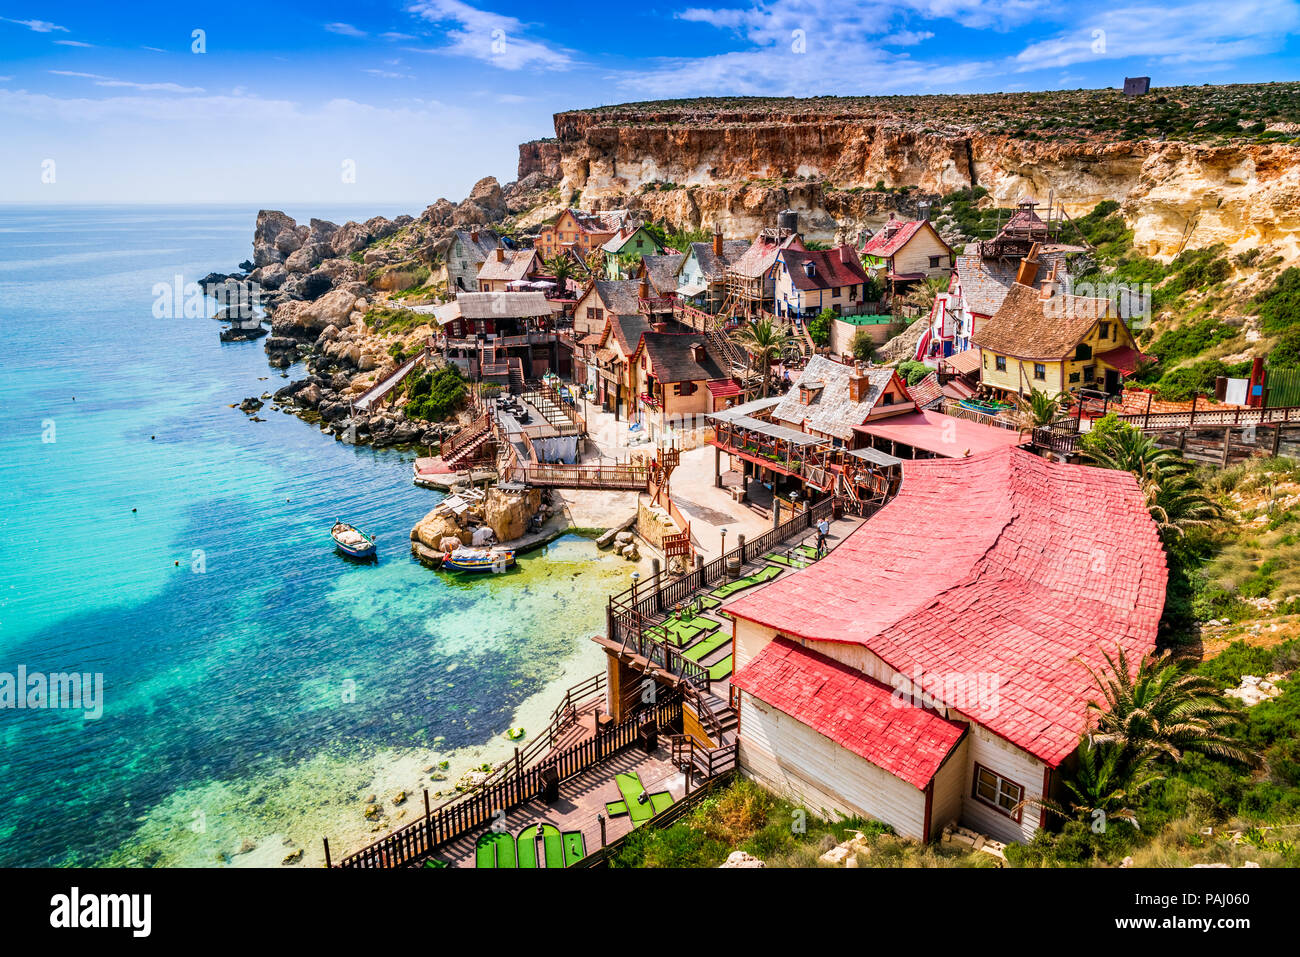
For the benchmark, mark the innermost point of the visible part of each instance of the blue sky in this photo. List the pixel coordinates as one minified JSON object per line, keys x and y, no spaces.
{"x":116,"y":103}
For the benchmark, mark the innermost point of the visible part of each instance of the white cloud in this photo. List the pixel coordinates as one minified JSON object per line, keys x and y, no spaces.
{"x":1205,"y":32}
{"x":37,"y":26}
{"x":345,"y":30}
{"x":73,"y":43}
{"x":490,"y":37}
{"x":129,"y":84}
{"x":389,"y":74}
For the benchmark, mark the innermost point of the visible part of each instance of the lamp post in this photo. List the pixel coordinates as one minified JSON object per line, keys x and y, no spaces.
{"x":635,"y":576}
{"x":724,"y":540}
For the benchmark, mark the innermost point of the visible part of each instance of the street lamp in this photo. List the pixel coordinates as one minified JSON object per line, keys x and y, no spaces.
{"x":635,"y":576}
{"x":724,"y":540}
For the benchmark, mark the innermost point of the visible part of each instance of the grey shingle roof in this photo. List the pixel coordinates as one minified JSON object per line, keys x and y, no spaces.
{"x":831,"y":412}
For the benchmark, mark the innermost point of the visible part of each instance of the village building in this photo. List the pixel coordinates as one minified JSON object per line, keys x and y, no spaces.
{"x":661,"y":272}
{"x":502,"y":337}
{"x":676,"y":381}
{"x":470,"y":248}
{"x":625,"y":249}
{"x":702,"y":278}
{"x":906,"y":252}
{"x":600,"y":299}
{"x":507,"y":270}
{"x":830,"y":398}
{"x":1049,"y":340}
{"x":809,"y":281}
{"x":579,"y":233}
{"x":750,"y":280}
{"x":945,"y":681}
{"x":615,"y":389}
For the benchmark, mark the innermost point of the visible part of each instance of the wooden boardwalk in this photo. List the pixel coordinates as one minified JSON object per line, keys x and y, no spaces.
{"x":582,"y":799}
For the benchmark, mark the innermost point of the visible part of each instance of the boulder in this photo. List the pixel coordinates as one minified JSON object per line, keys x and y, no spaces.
{"x":436,"y":526}
{"x":742,"y":859}
{"x":275,"y":236}
{"x":507,"y":513}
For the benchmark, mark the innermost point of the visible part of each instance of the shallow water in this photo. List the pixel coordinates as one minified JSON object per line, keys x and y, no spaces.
{"x":257,"y":686}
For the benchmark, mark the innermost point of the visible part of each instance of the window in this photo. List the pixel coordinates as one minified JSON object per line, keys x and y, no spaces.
{"x":1001,"y":363}
{"x":1074,"y":377}
{"x":1082,"y":351}
{"x":1103,"y":331}
{"x":835,"y":293}
{"x":1040,"y":371}
{"x":1089,"y":373}
{"x":934,"y":262}
{"x":997,"y":792}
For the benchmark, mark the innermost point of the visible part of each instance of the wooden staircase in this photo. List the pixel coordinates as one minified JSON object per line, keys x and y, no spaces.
{"x":468,"y":445}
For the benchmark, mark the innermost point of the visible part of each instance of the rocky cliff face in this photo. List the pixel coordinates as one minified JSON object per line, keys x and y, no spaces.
{"x":734,"y":167}
{"x":539,"y":156}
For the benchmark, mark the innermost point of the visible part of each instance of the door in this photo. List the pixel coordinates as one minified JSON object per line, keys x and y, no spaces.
{"x":1112,"y":382}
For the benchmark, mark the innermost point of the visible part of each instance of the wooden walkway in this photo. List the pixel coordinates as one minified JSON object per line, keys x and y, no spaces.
{"x":582,"y":799}
{"x":386,"y":385}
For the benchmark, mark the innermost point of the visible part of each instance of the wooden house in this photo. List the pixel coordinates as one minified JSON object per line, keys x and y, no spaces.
{"x":470,"y":248}
{"x":945,"y":681}
{"x":1048,"y":340}
{"x":625,"y":249}
{"x":907,"y":252}
{"x":505,"y":270}
{"x":579,"y":232}
{"x":702,"y":277}
{"x":676,"y":380}
{"x":808,"y":281}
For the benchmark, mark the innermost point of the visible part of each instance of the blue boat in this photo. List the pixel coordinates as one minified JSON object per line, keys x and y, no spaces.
{"x":353,"y":542}
{"x":479,"y":559}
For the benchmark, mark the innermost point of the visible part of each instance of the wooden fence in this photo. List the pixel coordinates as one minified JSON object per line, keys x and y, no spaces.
{"x":415,"y":842}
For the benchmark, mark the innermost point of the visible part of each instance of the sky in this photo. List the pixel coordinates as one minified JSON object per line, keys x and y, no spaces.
{"x":405,"y":102}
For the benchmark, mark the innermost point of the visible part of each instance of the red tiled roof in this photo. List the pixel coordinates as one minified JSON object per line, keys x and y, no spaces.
{"x":967,"y":361}
{"x":832,"y":268}
{"x":926,"y":391}
{"x":723,"y":387}
{"x":941,"y":434}
{"x":1000,"y":564}
{"x":892,"y":237}
{"x":852,"y":710}
{"x":1125,"y":359}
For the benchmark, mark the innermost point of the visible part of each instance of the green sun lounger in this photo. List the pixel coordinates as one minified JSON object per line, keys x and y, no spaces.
{"x":495,"y":849}
{"x":720,"y":670}
{"x":575,"y":847}
{"x":778,"y":559}
{"x":552,"y":846}
{"x":740,"y":584}
{"x":630,"y":786}
{"x":707,"y":646}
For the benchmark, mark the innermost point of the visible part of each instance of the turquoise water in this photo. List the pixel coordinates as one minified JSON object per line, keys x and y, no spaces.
{"x":256,"y":685}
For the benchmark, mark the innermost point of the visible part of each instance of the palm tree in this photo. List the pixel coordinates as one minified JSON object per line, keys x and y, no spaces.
{"x":922,"y":294}
{"x":1100,"y":787}
{"x":1173,"y":496}
{"x":561,"y":268}
{"x":1040,"y":409}
{"x":1159,"y":712}
{"x":763,"y":340}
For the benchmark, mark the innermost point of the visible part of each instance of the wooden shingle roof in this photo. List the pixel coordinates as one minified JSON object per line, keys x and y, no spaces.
{"x":1028,"y":326}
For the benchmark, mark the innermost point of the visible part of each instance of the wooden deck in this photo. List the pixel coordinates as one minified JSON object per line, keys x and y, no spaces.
{"x":582,"y":799}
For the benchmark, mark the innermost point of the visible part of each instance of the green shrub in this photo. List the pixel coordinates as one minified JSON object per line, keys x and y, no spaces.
{"x":436,"y":395}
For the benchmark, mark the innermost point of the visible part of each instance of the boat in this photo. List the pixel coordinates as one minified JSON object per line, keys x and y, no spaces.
{"x":479,"y":559}
{"x":353,"y":542}
{"x":986,"y":406}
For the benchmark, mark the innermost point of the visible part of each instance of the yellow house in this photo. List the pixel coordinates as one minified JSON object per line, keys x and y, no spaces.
{"x":1048,"y":340}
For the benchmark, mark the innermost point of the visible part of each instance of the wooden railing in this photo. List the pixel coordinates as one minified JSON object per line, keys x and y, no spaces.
{"x":464,"y":437}
{"x":627,"y":612}
{"x":416,"y":841}
{"x":630,"y":476}
{"x":669,"y":815}
{"x":1211,"y":417}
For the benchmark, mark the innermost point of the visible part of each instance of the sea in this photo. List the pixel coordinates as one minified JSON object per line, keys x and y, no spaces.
{"x":258,"y":689}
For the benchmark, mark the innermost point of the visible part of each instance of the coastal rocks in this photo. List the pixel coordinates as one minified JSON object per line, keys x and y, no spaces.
{"x":307,"y":256}
{"x":293,"y":857}
{"x":275,"y":237}
{"x":245,"y":331}
{"x":431,"y":530}
{"x":301,"y":319}
{"x":485,"y":204}
{"x":508,"y":513}
{"x":439,"y":213}
{"x":250,"y":405}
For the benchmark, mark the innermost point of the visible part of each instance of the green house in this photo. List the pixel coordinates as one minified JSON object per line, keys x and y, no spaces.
{"x":624,"y":250}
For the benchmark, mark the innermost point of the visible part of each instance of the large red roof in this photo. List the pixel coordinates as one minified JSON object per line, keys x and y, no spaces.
{"x":852,"y":710}
{"x":945,"y":435}
{"x":892,"y":237}
{"x":1001,"y":564}
{"x":832,"y":268}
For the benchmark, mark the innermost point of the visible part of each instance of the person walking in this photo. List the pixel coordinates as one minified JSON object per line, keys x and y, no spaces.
{"x":823,"y":529}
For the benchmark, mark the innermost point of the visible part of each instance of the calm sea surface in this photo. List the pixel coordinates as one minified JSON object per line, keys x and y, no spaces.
{"x":257,"y":687}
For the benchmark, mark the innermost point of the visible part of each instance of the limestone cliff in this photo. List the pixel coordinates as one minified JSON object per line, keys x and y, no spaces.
{"x":733,"y":163}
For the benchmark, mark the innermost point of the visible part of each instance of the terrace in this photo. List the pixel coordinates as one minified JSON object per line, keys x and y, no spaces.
{"x":783,"y":450}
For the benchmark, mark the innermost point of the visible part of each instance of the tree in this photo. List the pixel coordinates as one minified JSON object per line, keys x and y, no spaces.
{"x":562,"y":269}
{"x":864,"y":347}
{"x":1158,"y":712}
{"x":1040,"y":409}
{"x":763,"y":340}
{"x":819,"y":327}
{"x":1100,"y":787}
{"x":922,"y":294}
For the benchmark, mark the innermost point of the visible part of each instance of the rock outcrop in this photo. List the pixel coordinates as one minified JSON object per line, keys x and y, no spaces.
{"x":508,"y":513}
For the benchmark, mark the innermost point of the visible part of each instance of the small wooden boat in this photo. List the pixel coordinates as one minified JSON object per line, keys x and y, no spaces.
{"x":479,"y":559}
{"x":353,"y":542}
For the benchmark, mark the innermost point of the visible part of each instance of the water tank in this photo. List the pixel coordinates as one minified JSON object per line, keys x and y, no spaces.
{"x":788,"y":219}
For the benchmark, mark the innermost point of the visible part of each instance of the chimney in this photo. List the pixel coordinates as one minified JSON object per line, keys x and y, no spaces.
{"x":859,"y":384}
{"x":473,"y":235}
{"x":659,"y":327}
{"x":501,"y":254}
{"x":717,"y":242}
{"x":643,"y":289}
{"x":1049,"y":284}
{"x":923,"y":209}
{"x":1028,"y":267}
{"x":697,"y":351}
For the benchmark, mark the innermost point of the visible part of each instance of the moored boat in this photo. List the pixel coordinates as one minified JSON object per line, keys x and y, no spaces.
{"x":351,"y":541}
{"x":479,"y":559}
